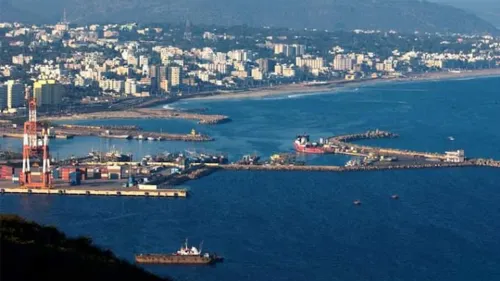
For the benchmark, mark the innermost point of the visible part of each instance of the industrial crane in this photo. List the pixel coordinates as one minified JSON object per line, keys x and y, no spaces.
{"x":35,"y":146}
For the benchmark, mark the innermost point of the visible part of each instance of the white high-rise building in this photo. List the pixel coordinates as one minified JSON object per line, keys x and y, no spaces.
{"x":342,"y":63}
{"x":174,"y":76}
{"x":130,"y":87}
{"x":15,"y":94}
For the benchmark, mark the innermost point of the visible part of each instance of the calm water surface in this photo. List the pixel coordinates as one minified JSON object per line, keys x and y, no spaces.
{"x":303,"y":226}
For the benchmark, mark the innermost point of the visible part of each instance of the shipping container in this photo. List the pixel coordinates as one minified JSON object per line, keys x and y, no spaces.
{"x":114,"y":176}
{"x":114,"y":168}
{"x":75,"y":178}
{"x":56,"y":174}
{"x":6,"y":171}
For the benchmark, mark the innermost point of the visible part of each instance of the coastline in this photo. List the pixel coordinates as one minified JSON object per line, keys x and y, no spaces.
{"x":338,"y":85}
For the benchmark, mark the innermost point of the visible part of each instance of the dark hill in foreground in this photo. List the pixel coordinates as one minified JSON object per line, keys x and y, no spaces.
{"x":400,"y":15}
{"x":33,"y":252}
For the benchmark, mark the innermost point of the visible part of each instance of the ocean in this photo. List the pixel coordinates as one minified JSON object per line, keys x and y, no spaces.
{"x":303,"y":225}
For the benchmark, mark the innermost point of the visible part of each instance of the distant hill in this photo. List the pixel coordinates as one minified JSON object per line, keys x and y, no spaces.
{"x":33,"y":252}
{"x":401,"y":15}
{"x":486,"y":9}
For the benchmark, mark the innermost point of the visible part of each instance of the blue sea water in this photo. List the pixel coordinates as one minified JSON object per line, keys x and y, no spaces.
{"x":303,"y":226}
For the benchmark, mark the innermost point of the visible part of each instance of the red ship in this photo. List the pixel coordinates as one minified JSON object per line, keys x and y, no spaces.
{"x":303,"y":145}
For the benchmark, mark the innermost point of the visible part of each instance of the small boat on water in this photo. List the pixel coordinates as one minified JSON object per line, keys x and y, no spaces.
{"x":185,"y":255}
{"x":395,"y":196}
{"x":357,"y":202}
{"x":451,"y":138}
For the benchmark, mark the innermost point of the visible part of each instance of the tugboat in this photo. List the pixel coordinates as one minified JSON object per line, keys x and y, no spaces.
{"x":185,"y":255}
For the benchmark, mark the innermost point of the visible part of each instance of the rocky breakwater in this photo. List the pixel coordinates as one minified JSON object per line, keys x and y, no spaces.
{"x":206,"y":119}
{"x":376,"y":134}
{"x":486,"y":162}
{"x":343,"y":169}
{"x":143,"y":113}
{"x":344,"y":142}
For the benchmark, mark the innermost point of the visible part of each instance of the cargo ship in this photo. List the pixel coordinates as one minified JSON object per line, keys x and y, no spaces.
{"x":303,"y":145}
{"x":185,"y":255}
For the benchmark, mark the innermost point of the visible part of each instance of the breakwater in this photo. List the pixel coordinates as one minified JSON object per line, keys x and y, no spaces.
{"x":308,"y":168}
{"x":344,"y":145}
{"x":377,"y":134}
{"x":144,"y":113}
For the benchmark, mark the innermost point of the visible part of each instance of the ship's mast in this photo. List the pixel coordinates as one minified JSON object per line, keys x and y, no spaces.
{"x":201,"y":246}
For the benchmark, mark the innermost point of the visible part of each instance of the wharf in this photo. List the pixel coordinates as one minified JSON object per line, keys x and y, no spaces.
{"x":125,"y":132}
{"x":193,"y":173}
{"x":98,"y":192}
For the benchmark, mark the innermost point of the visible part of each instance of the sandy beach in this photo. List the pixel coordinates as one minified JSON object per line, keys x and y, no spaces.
{"x":338,"y":85}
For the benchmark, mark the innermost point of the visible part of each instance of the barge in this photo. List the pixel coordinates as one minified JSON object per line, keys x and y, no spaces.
{"x":185,"y":255}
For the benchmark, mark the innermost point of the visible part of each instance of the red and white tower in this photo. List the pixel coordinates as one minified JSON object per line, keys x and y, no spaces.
{"x":35,"y":146}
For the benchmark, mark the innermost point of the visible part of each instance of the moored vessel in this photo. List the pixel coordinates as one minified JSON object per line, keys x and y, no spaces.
{"x":185,"y":255}
{"x":302,"y":144}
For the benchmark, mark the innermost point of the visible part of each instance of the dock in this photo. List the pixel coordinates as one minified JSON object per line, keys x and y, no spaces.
{"x":65,"y":131}
{"x":98,"y":192}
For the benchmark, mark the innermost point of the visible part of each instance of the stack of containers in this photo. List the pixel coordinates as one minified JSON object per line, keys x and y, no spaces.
{"x":65,"y":171}
{"x":90,"y":174}
{"x":75,"y":178}
{"x":115,"y":172}
{"x":97,"y":173}
{"x":36,"y":174}
{"x":56,"y":173}
{"x":83,"y":173}
{"x":104,"y":173}
{"x":6,"y":172}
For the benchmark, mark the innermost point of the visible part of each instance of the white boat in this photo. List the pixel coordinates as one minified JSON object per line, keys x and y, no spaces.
{"x":151,"y":139}
{"x":451,"y":138}
{"x":140,"y":137}
{"x":352,"y":163}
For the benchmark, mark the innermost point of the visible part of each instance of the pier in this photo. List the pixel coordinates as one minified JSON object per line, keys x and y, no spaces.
{"x":193,"y":173}
{"x":66,"y":131}
{"x":98,"y":192}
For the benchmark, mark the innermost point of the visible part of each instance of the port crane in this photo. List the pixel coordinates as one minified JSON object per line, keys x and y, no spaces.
{"x":35,"y":146}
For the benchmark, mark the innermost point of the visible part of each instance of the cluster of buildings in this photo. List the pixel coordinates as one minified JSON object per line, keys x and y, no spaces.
{"x":99,"y":60}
